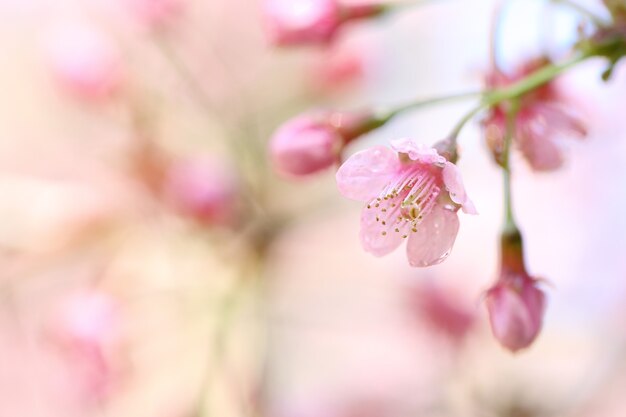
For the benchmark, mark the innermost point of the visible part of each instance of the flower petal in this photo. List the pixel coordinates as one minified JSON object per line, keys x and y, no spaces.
{"x":417,"y":151}
{"x":365,"y":174}
{"x":382,"y":227}
{"x":454,"y":183}
{"x":538,"y":147}
{"x":435,"y":236}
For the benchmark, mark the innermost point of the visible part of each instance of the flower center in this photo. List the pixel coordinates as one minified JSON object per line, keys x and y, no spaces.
{"x":404,"y":203}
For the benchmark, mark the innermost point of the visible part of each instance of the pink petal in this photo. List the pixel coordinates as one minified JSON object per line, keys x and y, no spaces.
{"x":378,"y":228}
{"x":435,"y":236}
{"x":417,"y":151}
{"x":454,"y":183}
{"x":366,"y":173}
{"x":538,"y":147}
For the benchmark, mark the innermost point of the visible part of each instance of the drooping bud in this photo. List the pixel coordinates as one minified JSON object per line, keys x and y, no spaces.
{"x":515,"y":303}
{"x":204,"y":189}
{"x":298,"y":22}
{"x":85,"y":61}
{"x":313,"y":142}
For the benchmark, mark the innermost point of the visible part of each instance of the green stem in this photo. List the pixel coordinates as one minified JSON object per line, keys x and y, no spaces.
{"x":517,"y":90}
{"x":509,"y":220}
{"x":414,"y":105}
{"x":533,"y":81}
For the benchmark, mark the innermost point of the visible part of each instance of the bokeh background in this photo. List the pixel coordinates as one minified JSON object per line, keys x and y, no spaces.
{"x":116,"y":299}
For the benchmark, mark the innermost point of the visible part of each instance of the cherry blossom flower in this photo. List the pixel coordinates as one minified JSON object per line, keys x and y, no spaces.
{"x":544,"y":117}
{"x":295,"y":22}
{"x":413,"y":193}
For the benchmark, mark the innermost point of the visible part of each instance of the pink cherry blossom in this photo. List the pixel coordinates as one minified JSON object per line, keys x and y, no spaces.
{"x":204,"y":189}
{"x":516,"y":307}
{"x":413,"y":193}
{"x":545,"y":116}
{"x":313,"y":142}
{"x":85,"y":61}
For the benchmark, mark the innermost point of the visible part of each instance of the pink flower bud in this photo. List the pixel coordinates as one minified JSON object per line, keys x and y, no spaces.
{"x":203,"y":188}
{"x":516,"y":308}
{"x":313,"y":142}
{"x":294,"y":22}
{"x":85,"y":62}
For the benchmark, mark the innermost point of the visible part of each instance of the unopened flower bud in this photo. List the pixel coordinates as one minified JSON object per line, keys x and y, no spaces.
{"x":515,"y":303}
{"x":204,"y":189}
{"x":85,"y":62}
{"x":313,"y":142}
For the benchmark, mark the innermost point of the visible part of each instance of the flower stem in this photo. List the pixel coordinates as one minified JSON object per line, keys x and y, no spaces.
{"x":533,"y":81}
{"x":414,"y":105}
{"x":517,"y":90}
{"x":510,"y":226}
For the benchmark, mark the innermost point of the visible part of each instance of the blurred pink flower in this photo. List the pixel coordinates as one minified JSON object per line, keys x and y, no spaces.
{"x":85,"y":61}
{"x":87,"y":327}
{"x":204,"y":189}
{"x":335,"y":68}
{"x":441,"y":310}
{"x":294,"y":22}
{"x":313,"y":142}
{"x":545,"y":115}
{"x":413,"y":193}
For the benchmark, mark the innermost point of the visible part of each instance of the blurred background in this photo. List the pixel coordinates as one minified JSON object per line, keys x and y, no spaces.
{"x":152,"y":264}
